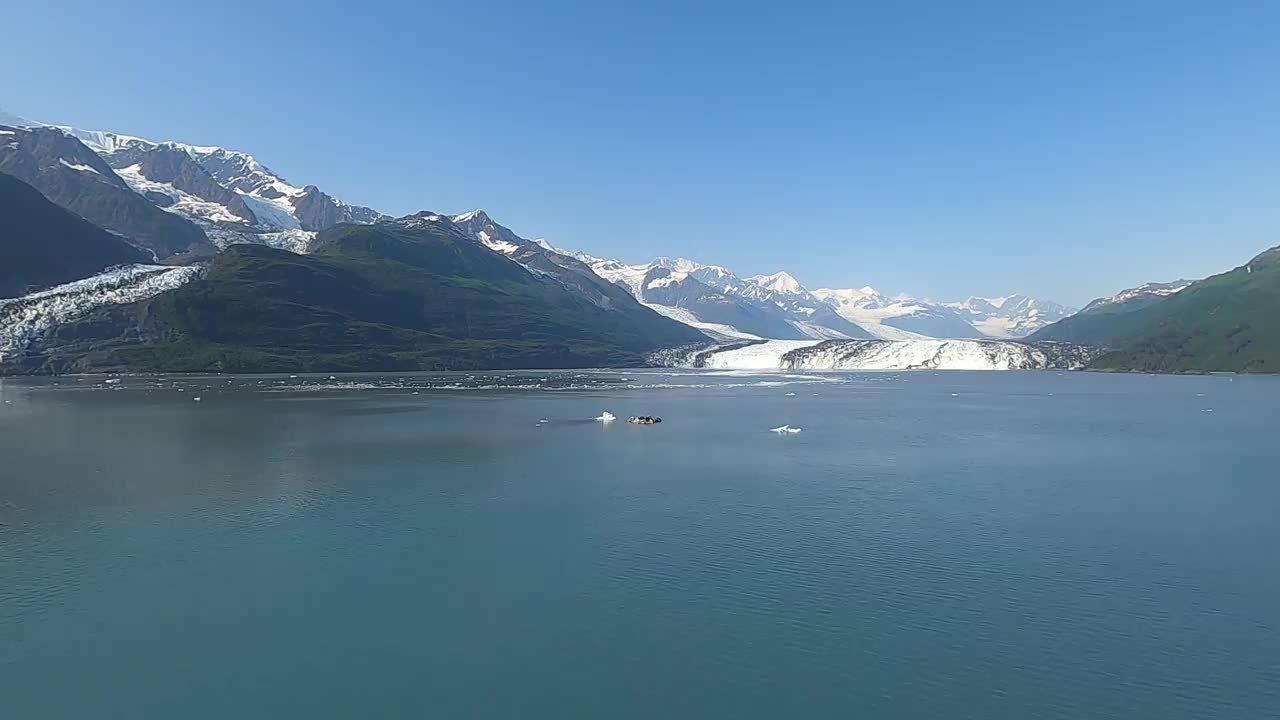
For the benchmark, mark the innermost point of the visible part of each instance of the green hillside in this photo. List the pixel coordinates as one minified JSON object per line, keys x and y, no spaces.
{"x":1226,"y":323}
{"x":372,"y":297}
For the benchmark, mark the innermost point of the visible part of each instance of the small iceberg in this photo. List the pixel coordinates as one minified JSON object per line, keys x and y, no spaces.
{"x":196,"y":399}
{"x":790,"y":395}
{"x":785,"y":430}
{"x":607,"y":417}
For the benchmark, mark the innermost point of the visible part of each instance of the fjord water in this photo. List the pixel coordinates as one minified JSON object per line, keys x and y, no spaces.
{"x":998,"y":545}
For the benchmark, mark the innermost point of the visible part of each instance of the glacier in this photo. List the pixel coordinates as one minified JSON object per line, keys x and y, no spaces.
{"x":24,"y":319}
{"x":918,"y":354}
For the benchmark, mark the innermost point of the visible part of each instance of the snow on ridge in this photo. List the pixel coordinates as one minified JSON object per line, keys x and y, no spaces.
{"x":25,"y":319}
{"x":670,"y":278}
{"x":499,"y":246}
{"x":184,"y":204}
{"x":78,"y":166}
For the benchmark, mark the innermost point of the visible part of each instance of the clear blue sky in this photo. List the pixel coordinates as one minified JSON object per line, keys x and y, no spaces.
{"x":1062,"y":149}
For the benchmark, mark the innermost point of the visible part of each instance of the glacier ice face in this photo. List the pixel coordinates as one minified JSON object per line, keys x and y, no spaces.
{"x":25,"y":319}
{"x":922,"y":354}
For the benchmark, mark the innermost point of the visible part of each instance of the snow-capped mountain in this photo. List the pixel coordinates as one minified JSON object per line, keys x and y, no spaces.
{"x":719,"y":302}
{"x":779,"y":306}
{"x":1014,"y":316}
{"x":229,"y":194}
{"x":1143,"y":294}
{"x":780,"y":282}
{"x":897,"y":318}
{"x":74,"y":177}
{"x":540,"y":258}
{"x":183,"y":202}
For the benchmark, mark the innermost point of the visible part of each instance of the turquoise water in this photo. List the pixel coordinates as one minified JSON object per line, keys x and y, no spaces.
{"x":1002,"y":545}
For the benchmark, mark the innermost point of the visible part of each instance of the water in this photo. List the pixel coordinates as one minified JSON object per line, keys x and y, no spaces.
{"x":968,"y":545}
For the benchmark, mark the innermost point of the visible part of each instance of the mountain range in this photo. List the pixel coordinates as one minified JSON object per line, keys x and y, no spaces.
{"x":123,"y":253}
{"x":778,"y":306}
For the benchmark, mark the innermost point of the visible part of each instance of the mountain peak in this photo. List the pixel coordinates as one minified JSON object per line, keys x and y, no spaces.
{"x":478,"y":215}
{"x":779,"y":282}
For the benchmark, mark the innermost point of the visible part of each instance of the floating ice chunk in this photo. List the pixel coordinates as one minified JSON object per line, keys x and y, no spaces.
{"x":785,"y":430}
{"x":607,"y":417}
{"x":113,"y":381}
{"x":197,"y":399}
{"x":790,"y":395}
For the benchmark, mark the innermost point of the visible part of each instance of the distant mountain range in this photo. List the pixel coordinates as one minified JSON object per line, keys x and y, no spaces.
{"x":778,"y":306}
{"x":122,"y":253}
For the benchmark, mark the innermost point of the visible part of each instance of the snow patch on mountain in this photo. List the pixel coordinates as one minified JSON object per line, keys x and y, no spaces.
{"x":78,"y":167}
{"x":274,"y":212}
{"x":184,"y":204}
{"x":25,"y":319}
{"x":1151,"y":290}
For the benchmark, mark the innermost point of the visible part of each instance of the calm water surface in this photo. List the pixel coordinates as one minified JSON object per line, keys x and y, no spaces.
{"x":1003,"y":545}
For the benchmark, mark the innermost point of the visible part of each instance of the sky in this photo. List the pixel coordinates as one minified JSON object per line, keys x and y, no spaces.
{"x":1060,"y":149}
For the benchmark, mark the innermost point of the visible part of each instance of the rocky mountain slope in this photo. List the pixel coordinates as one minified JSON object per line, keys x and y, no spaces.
{"x":42,"y":245}
{"x":71,"y":175}
{"x":229,"y":195}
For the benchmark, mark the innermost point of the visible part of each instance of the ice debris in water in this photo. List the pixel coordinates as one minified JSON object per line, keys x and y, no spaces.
{"x":785,"y":430}
{"x":790,"y":395}
{"x":607,"y":417}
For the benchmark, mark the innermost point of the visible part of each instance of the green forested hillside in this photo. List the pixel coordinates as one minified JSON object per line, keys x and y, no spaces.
{"x":372,"y":297}
{"x":1226,"y":323}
